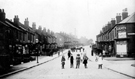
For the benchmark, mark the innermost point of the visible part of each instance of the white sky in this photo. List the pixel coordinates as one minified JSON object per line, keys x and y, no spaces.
{"x":86,"y":16}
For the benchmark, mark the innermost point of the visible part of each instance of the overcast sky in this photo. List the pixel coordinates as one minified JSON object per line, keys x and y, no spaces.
{"x":83,"y":17}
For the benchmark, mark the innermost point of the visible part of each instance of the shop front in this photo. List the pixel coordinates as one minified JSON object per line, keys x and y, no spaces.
{"x":121,"y":42}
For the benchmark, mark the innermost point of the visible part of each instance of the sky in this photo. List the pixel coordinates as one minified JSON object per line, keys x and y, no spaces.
{"x":79,"y":17}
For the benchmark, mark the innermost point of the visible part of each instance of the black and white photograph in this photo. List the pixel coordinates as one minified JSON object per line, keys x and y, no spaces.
{"x":67,"y":39}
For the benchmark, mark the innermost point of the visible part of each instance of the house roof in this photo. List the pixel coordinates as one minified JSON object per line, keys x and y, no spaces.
{"x":3,"y":23}
{"x":8,"y":23}
{"x":28,"y":28}
{"x":11,"y":23}
{"x":130,"y":19}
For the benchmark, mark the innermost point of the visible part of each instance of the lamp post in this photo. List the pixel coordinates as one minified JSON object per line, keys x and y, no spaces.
{"x":37,"y":48}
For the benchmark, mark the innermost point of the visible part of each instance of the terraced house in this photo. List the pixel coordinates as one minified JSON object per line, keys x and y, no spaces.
{"x":117,"y":38}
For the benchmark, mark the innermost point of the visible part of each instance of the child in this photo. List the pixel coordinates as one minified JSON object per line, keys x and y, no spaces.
{"x":78,"y":60}
{"x":85,"y":60}
{"x":100,"y":61}
{"x":63,"y":61}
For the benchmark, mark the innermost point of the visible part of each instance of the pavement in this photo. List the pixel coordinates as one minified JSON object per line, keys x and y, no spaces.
{"x":118,"y":65}
{"x":123,"y":66}
{"x":29,"y":65}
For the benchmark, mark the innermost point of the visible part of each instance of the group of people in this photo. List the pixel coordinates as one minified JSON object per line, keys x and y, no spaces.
{"x":78,"y":60}
{"x":84,"y":59}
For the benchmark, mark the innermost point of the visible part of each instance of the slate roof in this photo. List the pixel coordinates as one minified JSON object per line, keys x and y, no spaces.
{"x":129,"y":19}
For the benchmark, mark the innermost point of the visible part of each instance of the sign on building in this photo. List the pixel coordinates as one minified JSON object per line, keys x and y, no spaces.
{"x":121,"y":48}
{"x":121,"y":30}
{"x":122,"y":34}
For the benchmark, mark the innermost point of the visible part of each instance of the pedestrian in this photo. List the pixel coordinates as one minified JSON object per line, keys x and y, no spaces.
{"x":100,"y":61}
{"x":71,"y":61}
{"x":83,"y":49}
{"x":69,"y":54}
{"x":92,"y":52}
{"x":80,"y":49}
{"x":103,"y":53}
{"x":63,"y":61}
{"x":85,"y":60}
{"x":78,"y":60}
{"x":58,"y":53}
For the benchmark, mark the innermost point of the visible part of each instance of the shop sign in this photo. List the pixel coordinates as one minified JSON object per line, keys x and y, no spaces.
{"x":122,"y":27}
{"x":122,"y":34}
{"x":131,"y":33}
{"x":121,"y":42}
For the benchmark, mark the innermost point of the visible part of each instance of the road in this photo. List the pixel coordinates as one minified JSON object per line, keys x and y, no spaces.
{"x":52,"y":70}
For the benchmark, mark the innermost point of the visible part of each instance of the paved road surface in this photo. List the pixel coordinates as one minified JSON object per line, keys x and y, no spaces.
{"x":52,"y":70}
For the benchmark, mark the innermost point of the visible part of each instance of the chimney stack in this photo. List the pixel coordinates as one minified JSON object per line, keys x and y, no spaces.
{"x":26,"y":22}
{"x":109,"y":26}
{"x":124,"y":14}
{"x":112,"y":22}
{"x":106,"y":28}
{"x":16,"y":20}
{"x":40,"y":28}
{"x":44,"y":30}
{"x":34,"y":25}
{"x":2,"y":15}
{"x":118,"y":18}
{"x":48,"y":31}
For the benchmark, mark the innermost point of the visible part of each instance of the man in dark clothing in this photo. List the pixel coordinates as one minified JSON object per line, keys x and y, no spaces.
{"x":71,"y":61}
{"x":69,"y":54}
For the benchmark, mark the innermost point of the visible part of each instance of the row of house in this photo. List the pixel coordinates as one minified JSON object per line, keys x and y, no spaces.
{"x":117,"y":38}
{"x":18,"y":40}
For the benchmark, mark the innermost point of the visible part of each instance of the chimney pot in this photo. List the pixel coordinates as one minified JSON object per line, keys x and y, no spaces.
{"x":112,"y":22}
{"x":124,"y":14}
{"x":26,"y":22}
{"x":118,"y":18}
{"x":34,"y":25}
{"x":16,"y":20}
{"x":3,"y":11}
{"x":2,"y":15}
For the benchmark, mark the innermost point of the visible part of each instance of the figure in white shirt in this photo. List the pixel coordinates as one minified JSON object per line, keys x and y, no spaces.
{"x":100,"y":61}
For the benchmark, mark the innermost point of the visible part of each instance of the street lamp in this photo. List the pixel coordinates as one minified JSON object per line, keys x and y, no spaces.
{"x":37,"y":48}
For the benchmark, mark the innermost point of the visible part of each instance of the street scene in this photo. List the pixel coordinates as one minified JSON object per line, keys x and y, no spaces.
{"x":52,"y":69}
{"x":67,"y":39}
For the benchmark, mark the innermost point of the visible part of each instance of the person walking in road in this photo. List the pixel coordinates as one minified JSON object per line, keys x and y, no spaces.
{"x":71,"y":61}
{"x":83,"y":49}
{"x":100,"y":61}
{"x":63,"y":61}
{"x":58,"y":53}
{"x":69,"y":54}
{"x":85,"y":60}
{"x":78,"y":60}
